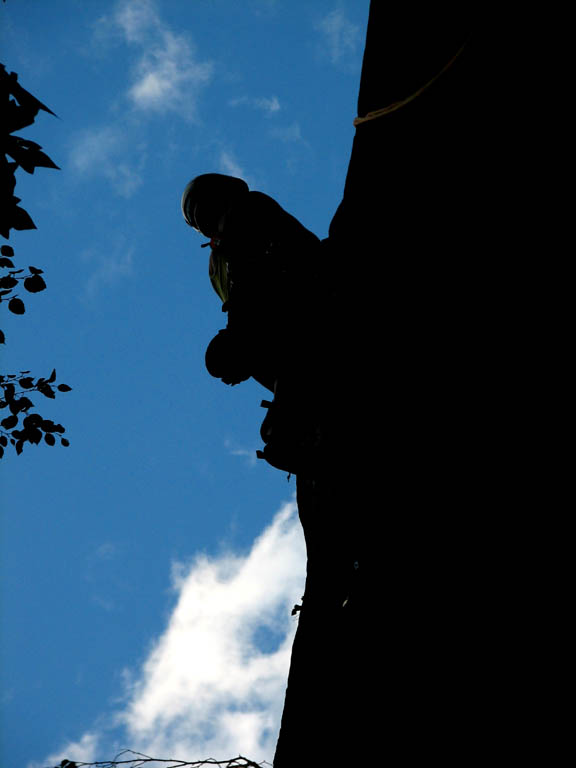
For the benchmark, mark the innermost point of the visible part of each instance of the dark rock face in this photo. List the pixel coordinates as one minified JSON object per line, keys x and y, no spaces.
{"x":406,"y":637}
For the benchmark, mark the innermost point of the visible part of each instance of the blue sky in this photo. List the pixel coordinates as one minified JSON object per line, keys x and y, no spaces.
{"x":149,"y":570}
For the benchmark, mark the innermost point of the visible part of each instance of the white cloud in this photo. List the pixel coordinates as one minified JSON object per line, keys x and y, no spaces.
{"x":83,"y":750}
{"x":135,"y":18}
{"x":167,"y":75}
{"x":213,"y":683}
{"x":340,"y":36}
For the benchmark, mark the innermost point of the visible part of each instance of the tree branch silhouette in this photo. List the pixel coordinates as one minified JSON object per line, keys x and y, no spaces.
{"x":140,"y":759}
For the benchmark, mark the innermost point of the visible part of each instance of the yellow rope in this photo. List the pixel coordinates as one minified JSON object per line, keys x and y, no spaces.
{"x":397,"y":104}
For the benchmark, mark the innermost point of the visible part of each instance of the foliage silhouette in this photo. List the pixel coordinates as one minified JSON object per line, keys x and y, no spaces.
{"x":20,"y":109}
{"x":34,"y":427}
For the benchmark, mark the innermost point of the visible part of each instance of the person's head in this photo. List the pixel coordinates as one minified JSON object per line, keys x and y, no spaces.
{"x":207,"y":198}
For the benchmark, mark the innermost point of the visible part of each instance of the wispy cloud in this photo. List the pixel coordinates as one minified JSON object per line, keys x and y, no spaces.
{"x":167,"y":75}
{"x":246,"y":453}
{"x":213,"y":683}
{"x":228,"y":163}
{"x":269,"y":106}
{"x":104,"y":152}
{"x":340,"y":37}
{"x":289,"y":133}
{"x":107,"y":265}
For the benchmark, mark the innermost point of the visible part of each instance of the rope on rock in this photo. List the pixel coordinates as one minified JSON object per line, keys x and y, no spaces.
{"x":397,"y":104}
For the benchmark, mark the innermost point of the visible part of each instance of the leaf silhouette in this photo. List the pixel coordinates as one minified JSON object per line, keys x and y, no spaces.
{"x":8,"y":282}
{"x":28,"y":154}
{"x":21,"y":220}
{"x":16,"y":306}
{"x":34,"y":284}
{"x":30,"y":104}
{"x":33,"y":420}
{"x":47,"y":391}
{"x":9,"y":422}
{"x":22,"y":404}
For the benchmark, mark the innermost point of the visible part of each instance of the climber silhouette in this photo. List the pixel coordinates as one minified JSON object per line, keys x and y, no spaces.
{"x":264,"y":265}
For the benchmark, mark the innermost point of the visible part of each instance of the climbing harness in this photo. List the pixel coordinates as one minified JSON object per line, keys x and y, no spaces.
{"x":398,"y":104}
